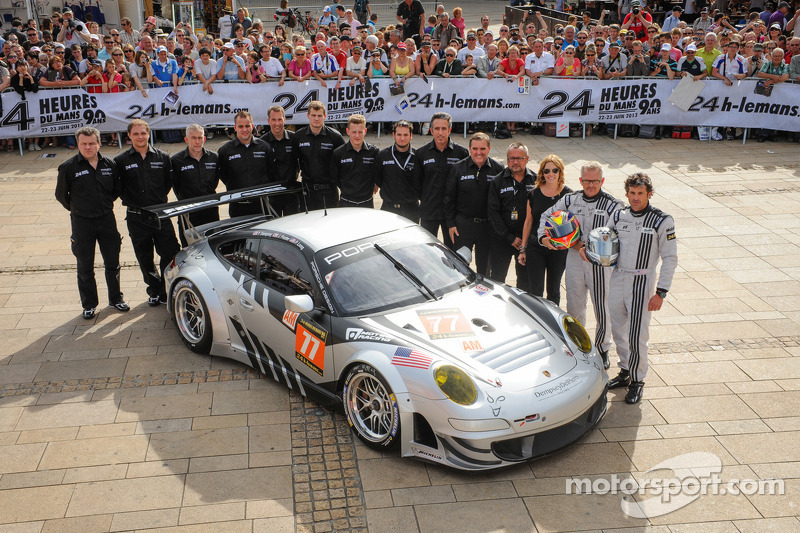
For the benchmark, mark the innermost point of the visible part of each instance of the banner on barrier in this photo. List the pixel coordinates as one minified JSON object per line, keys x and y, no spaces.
{"x":637,"y":101}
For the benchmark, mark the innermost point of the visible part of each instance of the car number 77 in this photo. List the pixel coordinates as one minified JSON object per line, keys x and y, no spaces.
{"x":437,"y":320}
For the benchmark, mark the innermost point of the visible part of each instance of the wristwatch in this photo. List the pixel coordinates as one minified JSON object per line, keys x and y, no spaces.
{"x":662,"y":293}
{"x":522,"y":250}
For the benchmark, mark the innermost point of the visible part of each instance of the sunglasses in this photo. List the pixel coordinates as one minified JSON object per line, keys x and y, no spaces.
{"x":590,"y":55}
{"x":300,"y":54}
{"x":549,"y":170}
{"x":450,"y":55}
{"x":116,"y":54}
{"x":569,"y":53}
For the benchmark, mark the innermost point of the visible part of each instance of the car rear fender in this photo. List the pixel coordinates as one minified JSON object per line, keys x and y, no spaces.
{"x":200,"y":279}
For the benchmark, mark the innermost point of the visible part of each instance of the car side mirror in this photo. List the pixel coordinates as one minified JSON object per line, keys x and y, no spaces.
{"x":465,"y":253}
{"x":299,"y":303}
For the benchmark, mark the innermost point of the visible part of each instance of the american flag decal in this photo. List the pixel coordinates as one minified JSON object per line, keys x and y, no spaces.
{"x":412,"y":358}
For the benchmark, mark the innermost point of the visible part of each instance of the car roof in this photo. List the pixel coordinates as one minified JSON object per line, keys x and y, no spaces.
{"x":320,"y":229}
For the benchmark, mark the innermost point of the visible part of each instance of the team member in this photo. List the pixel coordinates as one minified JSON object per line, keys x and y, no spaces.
{"x":354,"y":166}
{"x":87,"y":186}
{"x":435,"y":160}
{"x":284,"y":162}
{"x":314,"y":146}
{"x":592,"y":207}
{"x":645,"y":235}
{"x":244,"y":161}
{"x":400,"y":175}
{"x":146,"y":176}
{"x":194,"y":172}
{"x":508,"y":196}
{"x":466,"y":199}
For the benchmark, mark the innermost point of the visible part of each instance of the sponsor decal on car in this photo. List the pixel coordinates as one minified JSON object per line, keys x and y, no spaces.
{"x":290,"y":319}
{"x":411,"y":358}
{"x":530,"y":418}
{"x":425,"y":453}
{"x":494,"y":403}
{"x":480,"y":290}
{"x":358,"y":334}
{"x":471,"y":346}
{"x":445,"y":323}
{"x":309,"y":344}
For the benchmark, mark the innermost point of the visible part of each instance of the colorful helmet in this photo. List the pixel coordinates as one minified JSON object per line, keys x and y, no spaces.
{"x":563,"y":229}
{"x":602,"y":246}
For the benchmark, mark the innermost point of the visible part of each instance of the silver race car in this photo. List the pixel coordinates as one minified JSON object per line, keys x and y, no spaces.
{"x":365,"y":310}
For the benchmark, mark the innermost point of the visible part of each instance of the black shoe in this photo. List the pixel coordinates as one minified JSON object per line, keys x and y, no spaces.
{"x":88,"y":314}
{"x":153,"y":301}
{"x":761,"y":139}
{"x":623,"y":379}
{"x":634,"y":392}
{"x":121,"y":306}
{"x":730,"y":136}
{"x":162,"y":299}
{"x":605,"y":358}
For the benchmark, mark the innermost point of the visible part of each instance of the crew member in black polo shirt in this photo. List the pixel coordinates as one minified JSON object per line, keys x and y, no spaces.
{"x":194,"y":172}
{"x":314,"y":146}
{"x":508,"y":197}
{"x":436,"y":158}
{"x":146,"y":176}
{"x":284,"y":162}
{"x":466,"y":199}
{"x":400,"y":174}
{"x":354,"y":166}
{"x":87,"y":186}
{"x":244,"y":161}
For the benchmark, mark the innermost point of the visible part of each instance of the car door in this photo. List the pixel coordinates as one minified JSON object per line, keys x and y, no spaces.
{"x":292,"y":343}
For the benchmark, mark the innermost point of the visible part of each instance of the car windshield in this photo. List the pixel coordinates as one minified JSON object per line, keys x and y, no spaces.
{"x":408,"y":268}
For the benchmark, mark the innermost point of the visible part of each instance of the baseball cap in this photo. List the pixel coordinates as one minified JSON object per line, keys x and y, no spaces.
{"x":614,"y":44}
{"x":152,"y":20}
{"x":691,"y":48}
{"x":401,"y":46}
{"x":704,"y":10}
{"x":548,"y":39}
{"x":666,"y":46}
{"x":94,"y":36}
{"x":775,"y":26}
{"x":35,"y":49}
{"x":327,"y":9}
{"x":677,"y":8}
{"x":758,"y":47}
{"x":345,"y":38}
{"x":228,"y":46}
{"x":357,"y":49}
{"x":97,"y":62}
{"x":59,"y":45}
{"x":161,"y":49}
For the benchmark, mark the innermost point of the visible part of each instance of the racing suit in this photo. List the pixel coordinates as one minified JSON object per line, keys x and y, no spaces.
{"x":314,"y":153}
{"x":644,"y":237}
{"x":582,"y":277}
{"x":435,"y":167}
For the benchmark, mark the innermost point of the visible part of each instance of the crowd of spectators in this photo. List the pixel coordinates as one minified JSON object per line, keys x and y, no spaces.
{"x":67,"y":52}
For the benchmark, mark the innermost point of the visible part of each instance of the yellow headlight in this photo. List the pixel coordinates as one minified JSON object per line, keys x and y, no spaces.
{"x":456,"y":384}
{"x":578,"y":334}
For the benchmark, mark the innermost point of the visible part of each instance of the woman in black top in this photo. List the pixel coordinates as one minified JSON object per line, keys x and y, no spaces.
{"x":541,"y":261}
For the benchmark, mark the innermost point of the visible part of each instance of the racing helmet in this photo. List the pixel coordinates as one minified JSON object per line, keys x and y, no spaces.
{"x":563,"y":229}
{"x":602,"y":246}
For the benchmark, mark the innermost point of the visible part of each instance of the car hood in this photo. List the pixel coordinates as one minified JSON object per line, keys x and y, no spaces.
{"x":481,"y":330}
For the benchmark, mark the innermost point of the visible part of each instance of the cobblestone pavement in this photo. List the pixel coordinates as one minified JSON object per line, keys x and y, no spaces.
{"x":113,"y":425}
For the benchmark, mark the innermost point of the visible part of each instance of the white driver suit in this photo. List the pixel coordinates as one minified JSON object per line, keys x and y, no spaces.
{"x":644,"y":237}
{"x":582,"y":277}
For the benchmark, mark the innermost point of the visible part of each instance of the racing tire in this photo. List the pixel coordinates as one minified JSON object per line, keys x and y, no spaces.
{"x":371,"y":408}
{"x":191,"y":315}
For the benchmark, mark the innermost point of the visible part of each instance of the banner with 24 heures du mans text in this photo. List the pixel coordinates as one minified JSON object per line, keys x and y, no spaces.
{"x":623,"y":101}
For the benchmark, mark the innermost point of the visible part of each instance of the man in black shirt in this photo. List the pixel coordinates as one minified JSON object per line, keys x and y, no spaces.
{"x":508,"y":196}
{"x":412,"y":15}
{"x":354,"y":166}
{"x":243,"y":162}
{"x":146,"y":177}
{"x":88,"y":184}
{"x":194,"y":172}
{"x":400,"y":174}
{"x":284,"y":161}
{"x":466,"y":199}
{"x":314,"y":146}
{"x":435,"y":160}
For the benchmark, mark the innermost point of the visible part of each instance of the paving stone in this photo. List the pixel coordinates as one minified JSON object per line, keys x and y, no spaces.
{"x":94,"y":452}
{"x":144,"y":519}
{"x":237,"y":485}
{"x":125,"y":495}
{"x":25,"y":505}
{"x":67,"y":415}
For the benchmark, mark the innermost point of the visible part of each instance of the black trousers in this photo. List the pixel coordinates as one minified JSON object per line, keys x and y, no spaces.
{"x":321,"y":198}
{"x":285,"y":204}
{"x":369,"y":204}
{"x":500,"y":255}
{"x":478,"y":235}
{"x":198,"y":219}
{"x":544,"y":263}
{"x":85,"y":233}
{"x":410,"y":211}
{"x":433,"y":227}
{"x":144,"y":239}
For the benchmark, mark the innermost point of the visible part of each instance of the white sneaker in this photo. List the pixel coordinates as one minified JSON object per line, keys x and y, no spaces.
{"x":30,"y":148}
{"x":426,"y":127}
{"x":37,"y":147}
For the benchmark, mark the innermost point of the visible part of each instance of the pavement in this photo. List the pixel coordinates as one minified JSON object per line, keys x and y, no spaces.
{"x":113,"y":425}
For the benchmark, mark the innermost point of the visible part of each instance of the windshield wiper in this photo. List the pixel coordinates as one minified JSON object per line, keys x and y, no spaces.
{"x":404,"y":269}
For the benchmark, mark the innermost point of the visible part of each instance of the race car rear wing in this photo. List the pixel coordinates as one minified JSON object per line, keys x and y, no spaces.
{"x":154,"y":214}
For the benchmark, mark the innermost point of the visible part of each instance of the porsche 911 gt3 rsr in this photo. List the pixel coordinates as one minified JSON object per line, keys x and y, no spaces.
{"x":367,"y":311}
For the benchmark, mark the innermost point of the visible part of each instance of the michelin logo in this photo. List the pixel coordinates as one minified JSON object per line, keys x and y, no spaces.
{"x":358,"y":334}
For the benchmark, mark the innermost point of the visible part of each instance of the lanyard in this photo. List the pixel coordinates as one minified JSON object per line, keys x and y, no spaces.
{"x":403,"y":166}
